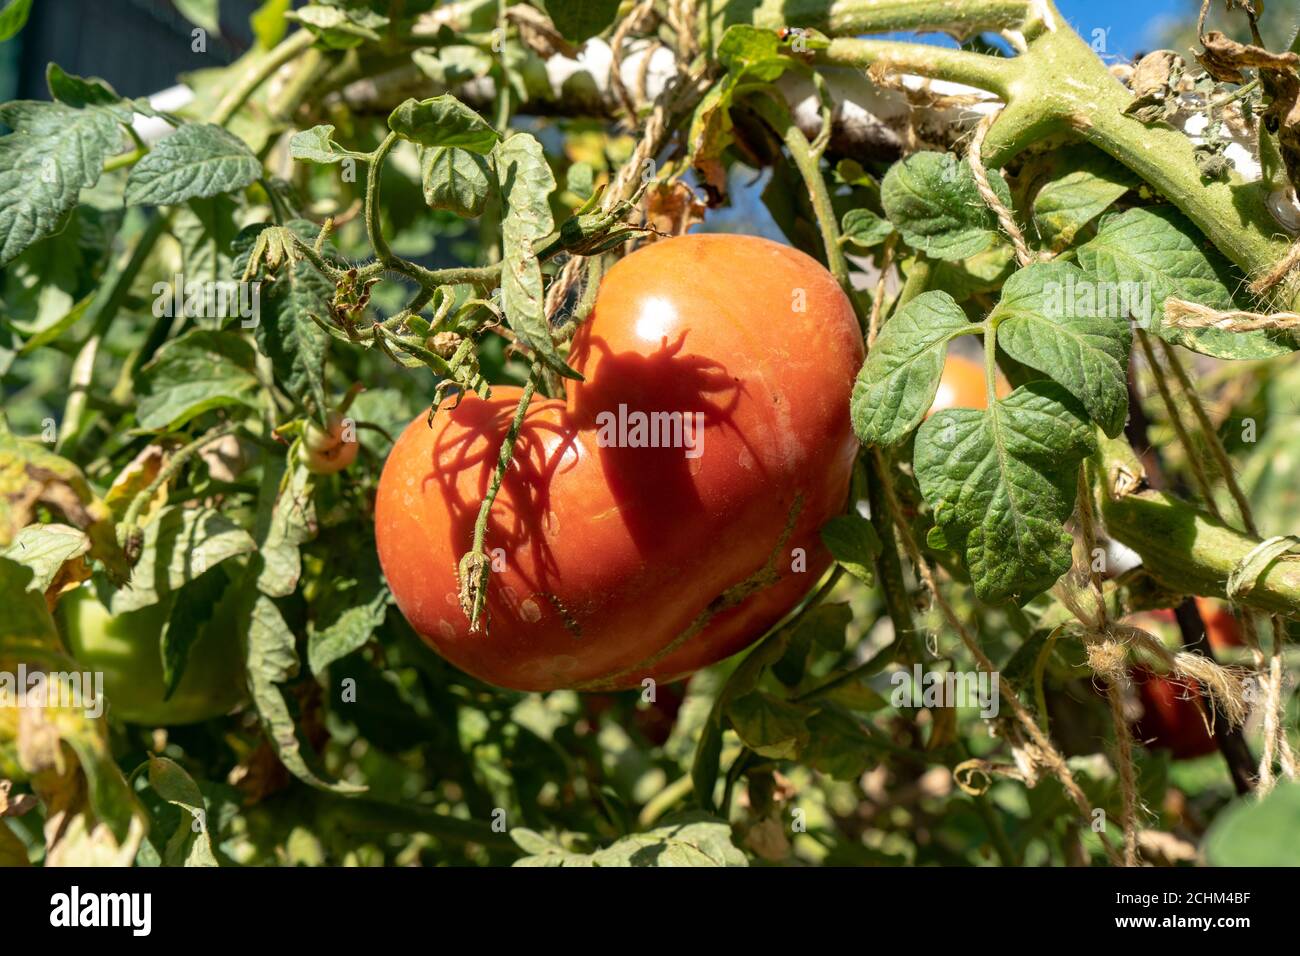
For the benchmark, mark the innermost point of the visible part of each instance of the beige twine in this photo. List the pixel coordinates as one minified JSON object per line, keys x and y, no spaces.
{"x":1279,"y":272}
{"x":1191,"y":315}
{"x":1005,"y":219}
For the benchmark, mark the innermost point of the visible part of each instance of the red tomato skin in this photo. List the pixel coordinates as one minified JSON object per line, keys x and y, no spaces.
{"x":614,"y":555}
{"x":1170,"y":717}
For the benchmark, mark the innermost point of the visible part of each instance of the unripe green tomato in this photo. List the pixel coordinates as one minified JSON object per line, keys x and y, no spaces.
{"x":126,"y":649}
{"x":329,"y":450}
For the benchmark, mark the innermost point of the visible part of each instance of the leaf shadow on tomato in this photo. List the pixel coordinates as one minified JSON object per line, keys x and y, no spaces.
{"x":652,"y":484}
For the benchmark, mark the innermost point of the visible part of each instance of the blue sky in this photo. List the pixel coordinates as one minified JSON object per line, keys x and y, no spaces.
{"x":1131,"y":25}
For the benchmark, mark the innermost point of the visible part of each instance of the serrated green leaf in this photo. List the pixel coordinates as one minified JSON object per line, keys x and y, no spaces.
{"x":199,"y":159}
{"x":853,"y":542}
{"x":87,"y":92}
{"x":45,"y":548}
{"x":285,"y":331}
{"x":443,"y":121}
{"x":838,"y":746}
{"x":753,"y":53}
{"x":287,"y":521}
{"x":180,"y":545}
{"x":341,"y":28}
{"x":1002,"y":482}
{"x":191,"y":610}
{"x":53,"y":153}
{"x":526,"y":183}
{"x":769,"y":726}
{"x":453,"y":64}
{"x":1162,"y":249}
{"x":190,"y":844}
{"x":206,"y":230}
{"x":1042,"y":321}
{"x":690,"y":839}
{"x":316,"y":145}
{"x":865,"y":229}
{"x":932,"y":200}
{"x":1086,"y":181}
{"x":579,"y":20}
{"x":898,"y":381}
{"x":455,"y":180}
{"x":197,"y":372}
{"x":345,"y":615}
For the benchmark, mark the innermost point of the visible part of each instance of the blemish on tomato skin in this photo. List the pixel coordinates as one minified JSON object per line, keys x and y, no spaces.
{"x":446,"y":630}
{"x":530,"y":611}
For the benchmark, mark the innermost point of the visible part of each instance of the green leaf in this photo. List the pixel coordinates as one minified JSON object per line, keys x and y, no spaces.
{"x":339,"y":28}
{"x":753,"y":53}
{"x":1086,"y":181}
{"x":1161,"y":249}
{"x":864,"y":228}
{"x":206,"y":230}
{"x":316,"y":145}
{"x":1257,"y":833}
{"x":53,"y":153}
{"x":191,"y":610}
{"x":453,"y":64}
{"x":287,"y":520}
{"x":268,"y":22}
{"x":838,"y":746}
{"x":1002,"y":482}
{"x":180,"y":545}
{"x":26,"y":621}
{"x":189,"y":845}
{"x":286,"y":332}
{"x":455,"y":180}
{"x":1044,"y":321}
{"x":526,"y":184}
{"x":348,"y":611}
{"x":201,"y":13}
{"x":769,"y":726}
{"x":14,"y":16}
{"x":579,"y":20}
{"x":853,"y":542}
{"x":83,"y":92}
{"x":271,"y":661}
{"x":443,"y":121}
{"x":199,"y":159}
{"x":932,"y":199}
{"x":195,"y":373}
{"x":690,"y":839}
{"x":45,"y":548}
{"x":898,"y":381}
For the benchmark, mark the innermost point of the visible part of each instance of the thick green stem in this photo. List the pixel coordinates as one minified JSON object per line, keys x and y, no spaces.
{"x":503,"y":461}
{"x":851,"y":17}
{"x":373,"y":227}
{"x":284,"y":51}
{"x":992,"y":73}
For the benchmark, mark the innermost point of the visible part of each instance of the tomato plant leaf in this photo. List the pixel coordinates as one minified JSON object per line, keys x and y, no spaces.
{"x":443,"y":121}
{"x":199,"y":159}
{"x":190,"y":612}
{"x":316,"y":145}
{"x":53,"y":153}
{"x":837,"y":745}
{"x":526,"y":184}
{"x":46,"y":548}
{"x":455,"y":179}
{"x":351,"y":606}
{"x":1002,"y":482}
{"x":1086,"y":182}
{"x":179,"y":546}
{"x":201,"y":13}
{"x":453,"y":64}
{"x":340,"y":28}
{"x":287,"y":520}
{"x":580,"y":20}
{"x":206,"y":229}
{"x":271,"y":661}
{"x":189,"y":844}
{"x":690,"y":839}
{"x":769,"y":726}
{"x":853,"y":542}
{"x":1043,"y":322}
{"x":285,"y":331}
{"x":1247,"y":834}
{"x":932,"y":199}
{"x":1161,"y":252}
{"x":865,"y":229}
{"x":197,"y":372}
{"x":898,"y":381}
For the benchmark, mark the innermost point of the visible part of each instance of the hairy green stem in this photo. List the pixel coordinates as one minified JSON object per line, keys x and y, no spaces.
{"x":503,"y":460}
{"x":284,"y":51}
{"x":373,"y":227}
{"x":851,"y":17}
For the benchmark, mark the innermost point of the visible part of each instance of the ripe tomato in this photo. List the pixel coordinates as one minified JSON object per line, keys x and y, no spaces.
{"x":325,"y":451}
{"x":615,"y":560}
{"x":962,"y":385}
{"x":1171,"y":718}
{"x":125,"y":649}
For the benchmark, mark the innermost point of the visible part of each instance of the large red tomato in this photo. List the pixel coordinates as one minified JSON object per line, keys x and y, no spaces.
{"x":616,"y":562}
{"x":963,"y":385}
